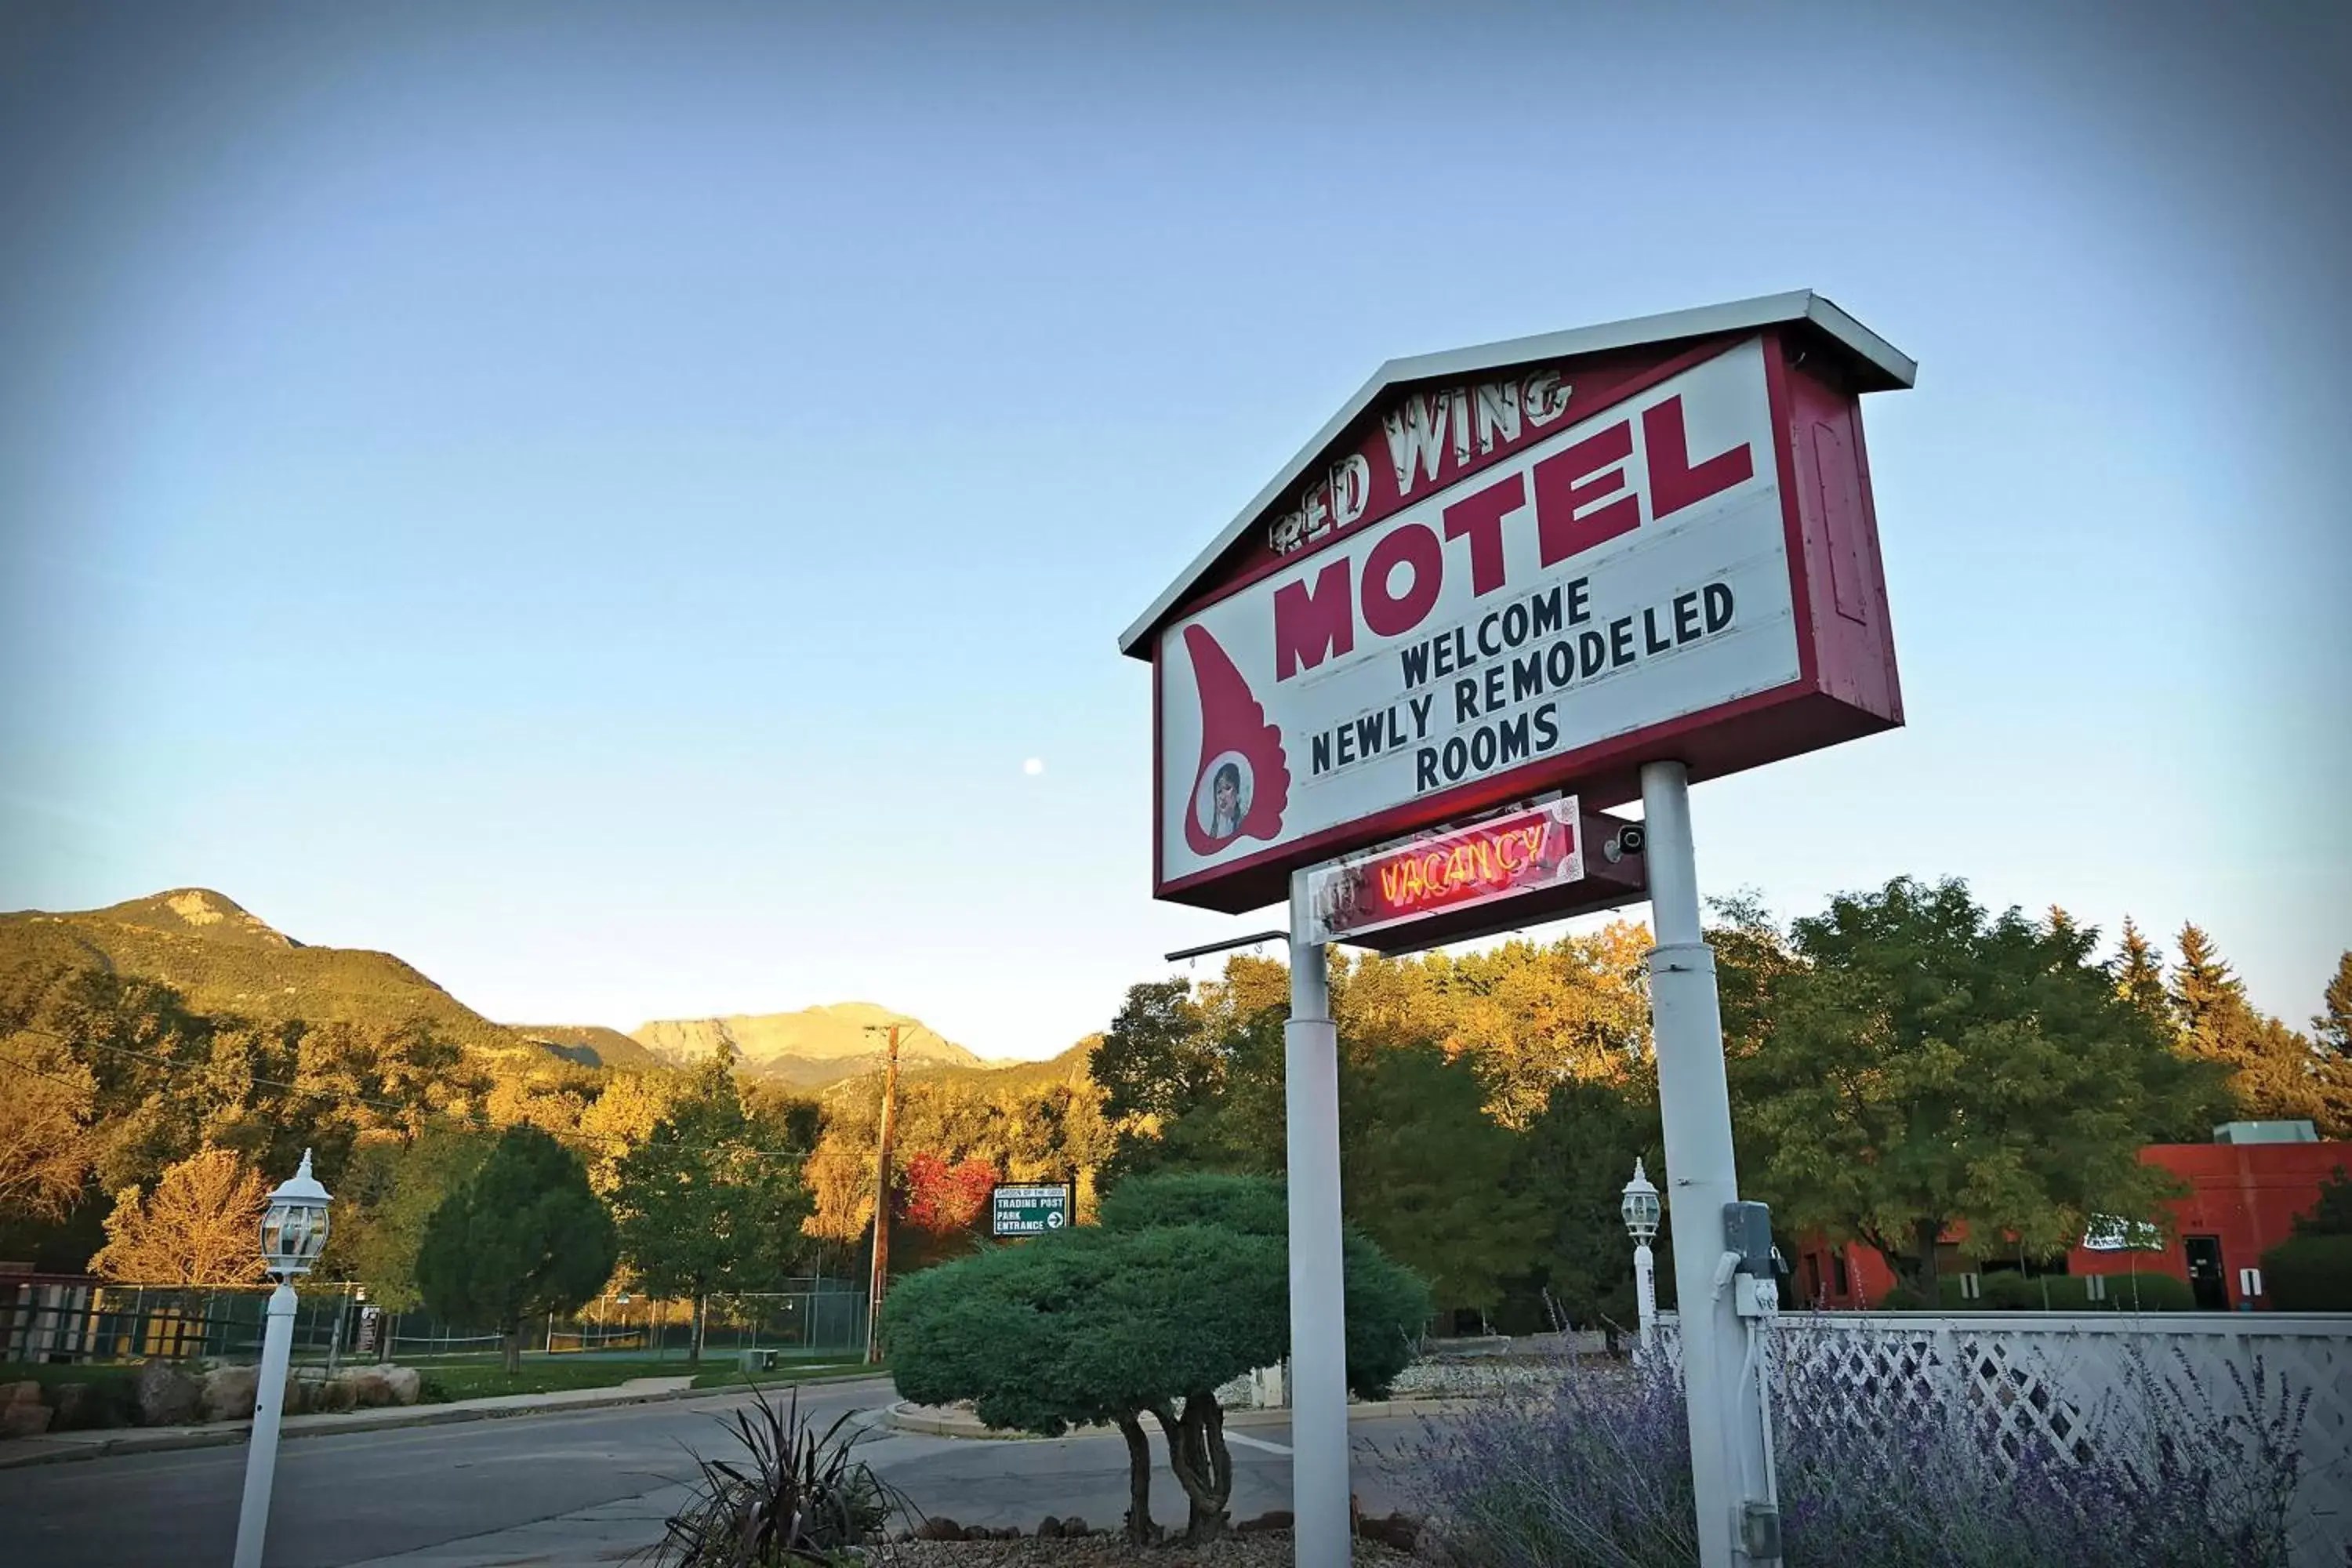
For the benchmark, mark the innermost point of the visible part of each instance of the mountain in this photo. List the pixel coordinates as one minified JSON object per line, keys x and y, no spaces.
{"x":224,"y":960}
{"x":590,"y":1044}
{"x":807,"y":1049}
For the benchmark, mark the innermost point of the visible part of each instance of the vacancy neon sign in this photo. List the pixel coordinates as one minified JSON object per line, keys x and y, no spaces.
{"x":1489,"y":861}
{"x":1523,"y":852}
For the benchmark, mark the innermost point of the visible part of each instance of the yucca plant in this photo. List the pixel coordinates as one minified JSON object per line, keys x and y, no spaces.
{"x":794,"y":1495}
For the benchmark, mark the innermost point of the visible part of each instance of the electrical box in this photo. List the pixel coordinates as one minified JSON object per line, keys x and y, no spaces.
{"x":1760,"y":1532}
{"x":1748,"y":1231}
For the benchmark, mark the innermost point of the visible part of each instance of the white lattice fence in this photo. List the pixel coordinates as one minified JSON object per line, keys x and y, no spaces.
{"x":2068,"y":1382}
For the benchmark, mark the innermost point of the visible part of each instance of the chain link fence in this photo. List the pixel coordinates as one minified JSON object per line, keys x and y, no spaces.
{"x":73,"y":1319}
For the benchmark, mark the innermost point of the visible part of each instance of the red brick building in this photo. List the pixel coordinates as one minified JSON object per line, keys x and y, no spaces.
{"x":2245,"y":1190}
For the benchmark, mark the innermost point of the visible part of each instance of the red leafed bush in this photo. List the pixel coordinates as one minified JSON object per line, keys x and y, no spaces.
{"x":942,"y":1198}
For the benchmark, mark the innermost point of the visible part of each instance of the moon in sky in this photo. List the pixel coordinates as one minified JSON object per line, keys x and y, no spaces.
{"x":1033,"y":766}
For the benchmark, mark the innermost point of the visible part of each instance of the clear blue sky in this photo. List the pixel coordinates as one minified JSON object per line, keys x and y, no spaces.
{"x":603,"y":503}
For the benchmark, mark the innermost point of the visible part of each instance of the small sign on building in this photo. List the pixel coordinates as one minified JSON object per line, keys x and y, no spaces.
{"x":1028,"y":1211}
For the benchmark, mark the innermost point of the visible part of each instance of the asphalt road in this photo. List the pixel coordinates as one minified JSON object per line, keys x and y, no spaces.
{"x":583,"y":1486}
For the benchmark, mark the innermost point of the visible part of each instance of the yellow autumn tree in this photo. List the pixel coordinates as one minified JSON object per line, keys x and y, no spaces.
{"x":622,"y":1118}
{"x":201,"y":1225}
{"x":46,"y":1138}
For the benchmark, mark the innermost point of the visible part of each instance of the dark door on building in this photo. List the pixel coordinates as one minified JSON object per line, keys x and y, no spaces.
{"x":2205,"y":1280}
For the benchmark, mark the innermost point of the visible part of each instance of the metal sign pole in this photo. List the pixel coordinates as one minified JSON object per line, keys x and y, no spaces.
{"x":1319,"y":1329}
{"x":1726,"y":1425}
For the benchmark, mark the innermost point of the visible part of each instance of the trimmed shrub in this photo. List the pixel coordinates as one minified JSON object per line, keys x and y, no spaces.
{"x":2125,"y":1293}
{"x":2006,"y":1290}
{"x":2310,"y":1274}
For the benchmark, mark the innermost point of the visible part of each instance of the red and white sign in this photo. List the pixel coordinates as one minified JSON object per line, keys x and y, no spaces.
{"x":1533,"y":579}
{"x":1502,"y":858}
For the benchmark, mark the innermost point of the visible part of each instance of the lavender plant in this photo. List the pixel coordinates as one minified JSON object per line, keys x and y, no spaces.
{"x":1593,"y":1472}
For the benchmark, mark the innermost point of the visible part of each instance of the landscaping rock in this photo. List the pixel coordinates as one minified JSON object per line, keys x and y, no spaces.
{"x":370,"y":1389}
{"x":228,"y":1393}
{"x":938,"y":1528}
{"x":407,"y":1383}
{"x":168,"y":1396}
{"x":325,"y":1394}
{"x":1277,"y":1519}
{"x":1049,"y":1528}
{"x":1073,"y":1528}
{"x":77,"y":1406}
{"x":26,"y":1392}
{"x":18,"y":1419}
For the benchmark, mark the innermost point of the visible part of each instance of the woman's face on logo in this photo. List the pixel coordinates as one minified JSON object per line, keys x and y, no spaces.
{"x":1228,"y":795}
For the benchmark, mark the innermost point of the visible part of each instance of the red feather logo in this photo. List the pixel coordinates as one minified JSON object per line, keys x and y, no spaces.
{"x":1243,"y":782}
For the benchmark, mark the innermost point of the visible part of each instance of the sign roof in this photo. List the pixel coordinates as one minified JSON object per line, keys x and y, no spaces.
{"x":1876,"y":363}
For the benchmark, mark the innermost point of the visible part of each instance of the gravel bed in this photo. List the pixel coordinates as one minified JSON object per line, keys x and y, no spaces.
{"x":1270,"y":1548}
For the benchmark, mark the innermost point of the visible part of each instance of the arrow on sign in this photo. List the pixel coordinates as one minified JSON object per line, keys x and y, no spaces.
{"x":1052,"y":1219}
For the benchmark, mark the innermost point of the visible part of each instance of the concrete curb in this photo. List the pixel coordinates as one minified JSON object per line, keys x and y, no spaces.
{"x":68,"y":1448}
{"x":905,"y":1416}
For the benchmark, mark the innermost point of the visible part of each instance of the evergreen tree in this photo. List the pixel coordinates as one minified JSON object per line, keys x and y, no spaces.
{"x":2331,"y":1029}
{"x":2275,"y":1074}
{"x":2140,"y":975}
{"x":2209,"y":1002}
{"x":1182,"y":1287}
{"x":524,"y":1236}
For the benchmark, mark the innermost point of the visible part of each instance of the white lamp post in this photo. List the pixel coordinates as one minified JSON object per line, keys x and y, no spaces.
{"x":1643,"y":1210}
{"x":293,"y":1234}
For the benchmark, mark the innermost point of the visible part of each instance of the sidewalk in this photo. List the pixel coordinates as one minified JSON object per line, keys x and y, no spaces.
{"x":56,"y":1447}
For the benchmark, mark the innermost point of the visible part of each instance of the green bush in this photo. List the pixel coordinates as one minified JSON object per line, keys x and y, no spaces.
{"x":2125,"y":1293}
{"x":2006,"y":1290}
{"x":1902,"y":1299}
{"x":2310,"y":1274}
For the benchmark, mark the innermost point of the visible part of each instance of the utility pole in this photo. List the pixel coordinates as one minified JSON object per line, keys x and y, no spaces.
{"x":881,"y":1279}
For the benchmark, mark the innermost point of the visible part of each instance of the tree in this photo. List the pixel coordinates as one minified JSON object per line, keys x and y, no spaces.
{"x":1428,"y":1175}
{"x":387,"y":1196}
{"x":201,"y":1226}
{"x":703,"y":1208}
{"x":2332,"y":1215}
{"x":522,"y":1236}
{"x":2275,"y":1074}
{"x":1155,"y":1063}
{"x":2332,"y":1026}
{"x":48,"y":1141}
{"x":1529,"y":1016}
{"x":1573,"y":1166}
{"x":1183,"y":1287}
{"x":1929,"y":1068}
{"x":2140,"y":975}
